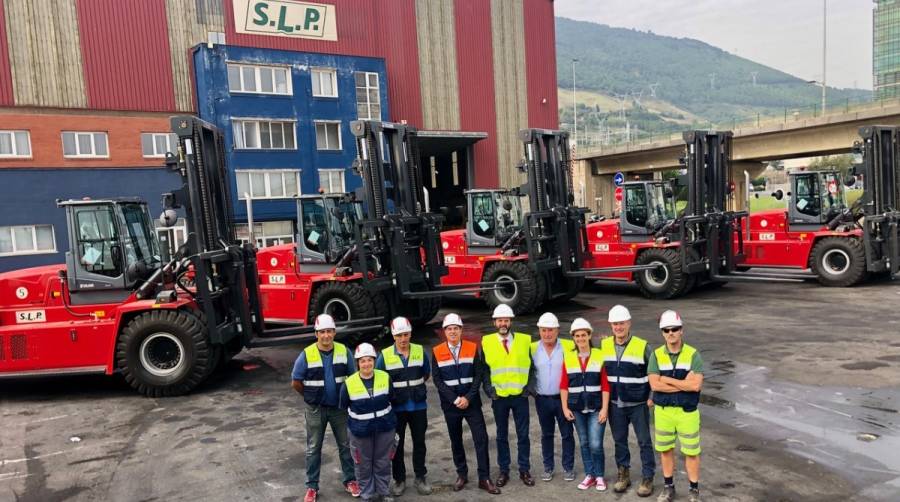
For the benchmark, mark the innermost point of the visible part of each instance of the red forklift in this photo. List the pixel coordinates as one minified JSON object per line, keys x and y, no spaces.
{"x":535,"y":255}
{"x":121,"y":303}
{"x":378,"y":255}
{"x":839,"y":244}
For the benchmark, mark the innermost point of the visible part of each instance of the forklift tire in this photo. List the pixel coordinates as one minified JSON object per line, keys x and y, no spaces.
{"x":524,"y":296}
{"x":420,"y":312}
{"x":164,"y":353}
{"x":838,"y":261}
{"x":345,"y":301}
{"x":667,"y":282}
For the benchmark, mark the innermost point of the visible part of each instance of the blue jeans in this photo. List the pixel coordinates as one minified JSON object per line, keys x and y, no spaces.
{"x":317,"y":419}
{"x":590,"y":435}
{"x":518,"y":405}
{"x":549,"y":412}
{"x":639,"y":418}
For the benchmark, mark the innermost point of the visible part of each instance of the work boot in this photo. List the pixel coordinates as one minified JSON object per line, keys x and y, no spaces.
{"x":397,"y":488}
{"x":623,"y":481}
{"x":667,"y":494}
{"x":645,"y":489}
{"x":695,"y":495}
{"x":423,"y":486}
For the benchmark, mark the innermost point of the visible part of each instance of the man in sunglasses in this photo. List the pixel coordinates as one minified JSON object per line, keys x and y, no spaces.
{"x":675,"y":371}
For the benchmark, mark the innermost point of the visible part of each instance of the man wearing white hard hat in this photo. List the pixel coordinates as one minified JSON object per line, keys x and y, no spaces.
{"x":507,"y":357}
{"x":366,"y":395}
{"x":458,"y":372}
{"x":625,"y":358}
{"x":676,"y":376}
{"x":317,"y":375}
{"x":409,"y":369}
{"x":547,"y":361}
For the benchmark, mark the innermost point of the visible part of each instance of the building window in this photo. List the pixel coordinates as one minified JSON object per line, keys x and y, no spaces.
{"x":266,"y":233}
{"x":331,"y":180}
{"x":264,"y":134}
{"x":259,"y":79}
{"x":328,"y":135}
{"x":324,"y":82}
{"x":157,"y":144}
{"x":15,"y":144}
{"x":27,"y":239}
{"x":368,"y":99}
{"x":84,"y":144}
{"x":268,"y":184}
{"x":172,"y":237}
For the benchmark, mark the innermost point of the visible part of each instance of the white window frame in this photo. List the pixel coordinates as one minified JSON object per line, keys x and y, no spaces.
{"x":34,"y":243}
{"x":178,"y":230}
{"x":81,"y":155}
{"x":12,"y":139}
{"x":318,"y":73}
{"x":366,"y":90}
{"x":326,"y":123}
{"x":330,"y":173}
{"x":258,"y":69}
{"x":268,"y":181}
{"x":242,"y":121}
{"x":259,"y":233}
{"x":171,"y":142}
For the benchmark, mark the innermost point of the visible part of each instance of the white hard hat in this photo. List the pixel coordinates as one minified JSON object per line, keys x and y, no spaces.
{"x":452,"y":319}
{"x":619,"y":313}
{"x":400,"y":325}
{"x":548,"y":320}
{"x":365,"y":350}
{"x":324,"y":321}
{"x":503,"y":311}
{"x":580,"y":323}
{"x":669,"y":319}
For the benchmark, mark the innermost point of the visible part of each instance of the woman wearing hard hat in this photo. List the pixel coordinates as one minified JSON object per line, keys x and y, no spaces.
{"x":366,"y":395}
{"x":584,"y":392}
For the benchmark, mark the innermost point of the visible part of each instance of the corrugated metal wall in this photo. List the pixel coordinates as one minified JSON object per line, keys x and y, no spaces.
{"x":511,"y":91}
{"x":437,"y":61}
{"x":189,"y":23}
{"x":540,"y":64}
{"x":6,"y":85}
{"x":398,"y":41}
{"x":45,"y":53}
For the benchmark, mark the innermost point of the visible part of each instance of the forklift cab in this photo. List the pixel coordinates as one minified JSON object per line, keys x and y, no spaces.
{"x":493,"y":216}
{"x":816,"y":197}
{"x":326,"y":226}
{"x":112,"y":246}
{"x":647,"y":207}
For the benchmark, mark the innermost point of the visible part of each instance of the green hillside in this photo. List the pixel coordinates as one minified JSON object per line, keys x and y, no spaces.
{"x":619,"y":65}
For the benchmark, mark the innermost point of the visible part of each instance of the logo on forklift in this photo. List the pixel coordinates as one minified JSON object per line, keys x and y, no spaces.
{"x":601,"y":248}
{"x":285,"y":19}
{"x":766,"y":236}
{"x":21,"y":293}
{"x":450,"y":259}
{"x":29,"y":316}
{"x":276,"y":279}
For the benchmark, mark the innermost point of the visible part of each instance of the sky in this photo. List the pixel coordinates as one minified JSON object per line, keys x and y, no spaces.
{"x":783,"y":34}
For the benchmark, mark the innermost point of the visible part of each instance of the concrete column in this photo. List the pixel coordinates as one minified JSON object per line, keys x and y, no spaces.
{"x":737,"y":201}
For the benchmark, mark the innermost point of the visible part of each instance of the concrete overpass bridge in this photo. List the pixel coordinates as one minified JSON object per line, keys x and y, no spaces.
{"x":754,"y":146}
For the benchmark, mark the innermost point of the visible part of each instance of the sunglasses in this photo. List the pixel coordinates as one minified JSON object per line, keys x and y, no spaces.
{"x":671,"y":330}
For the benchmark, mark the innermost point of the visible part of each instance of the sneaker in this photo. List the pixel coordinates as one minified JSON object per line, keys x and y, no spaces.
{"x":569,"y":476}
{"x":587,"y":483}
{"x":623,"y":481}
{"x":547,"y":476}
{"x":423,"y":486}
{"x":645,"y":489}
{"x":310,"y":495}
{"x":397,"y":488}
{"x":352,"y":487}
{"x":601,"y":484}
{"x":667,"y":494}
{"x":695,"y":495}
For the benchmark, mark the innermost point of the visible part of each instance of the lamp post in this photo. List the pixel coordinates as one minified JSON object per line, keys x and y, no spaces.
{"x":824,"y":49}
{"x":574,"y":109}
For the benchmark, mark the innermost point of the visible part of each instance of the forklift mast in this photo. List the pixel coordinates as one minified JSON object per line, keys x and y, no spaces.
{"x":879,"y":202}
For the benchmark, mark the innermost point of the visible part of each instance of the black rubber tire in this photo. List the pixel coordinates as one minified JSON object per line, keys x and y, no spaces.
{"x":577,"y":287}
{"x":833,"y":250}
{"x":345,"y":301}
{"x":420,"y":312}
{"x":168,"y":328}
{"x":523,"y":297}
{"x":655,"y":286}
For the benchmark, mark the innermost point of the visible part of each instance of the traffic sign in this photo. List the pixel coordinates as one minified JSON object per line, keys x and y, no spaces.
{"x":619,"y":178}
{"x":618,"y":194}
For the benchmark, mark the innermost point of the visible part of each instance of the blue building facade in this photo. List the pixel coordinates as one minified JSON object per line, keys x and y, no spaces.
{"x":286,"y":118}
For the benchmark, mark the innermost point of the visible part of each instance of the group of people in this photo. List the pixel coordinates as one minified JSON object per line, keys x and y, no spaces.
{"x":371,"y":398}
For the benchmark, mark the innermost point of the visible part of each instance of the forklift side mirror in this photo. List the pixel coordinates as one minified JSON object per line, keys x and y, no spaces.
{"x":136,"y":270}
{"x":756,"y":195}
{"x":337,"y":213}
{"x":850,"y":180}
{"x":168,"y":218}
{"x":669,"y":193}
{"x":507,"y":205}
{"x":778,"y":194}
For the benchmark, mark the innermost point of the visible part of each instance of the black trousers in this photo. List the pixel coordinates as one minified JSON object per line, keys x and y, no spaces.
{"x":418,"y":423}
{"x":475,"y":418}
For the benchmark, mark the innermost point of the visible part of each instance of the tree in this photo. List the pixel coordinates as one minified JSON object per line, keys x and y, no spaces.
{"x":841,"y":163}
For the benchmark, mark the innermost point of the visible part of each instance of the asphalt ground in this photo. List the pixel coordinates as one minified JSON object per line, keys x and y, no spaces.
{"x":800,"y":403}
